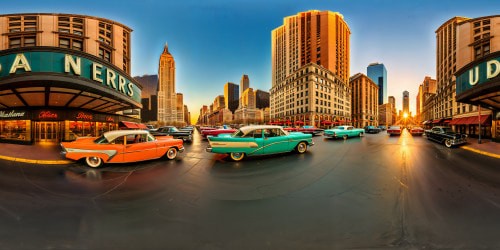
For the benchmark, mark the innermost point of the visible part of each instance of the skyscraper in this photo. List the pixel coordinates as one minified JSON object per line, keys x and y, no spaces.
{"x":310,"y":65}
{"x":244,"y":84}
{"x":167,"y":98}
{"x":378,"y":74}
{"x":231,"y":96}
{"x":364,"y":101}
{"x":180,"y":107}
{"x":406,"y":102}
{"x":149,"y":111}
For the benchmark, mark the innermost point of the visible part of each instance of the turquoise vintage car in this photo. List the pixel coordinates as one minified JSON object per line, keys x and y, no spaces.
{"x":343,"y":132}
{"x":259,"y":140}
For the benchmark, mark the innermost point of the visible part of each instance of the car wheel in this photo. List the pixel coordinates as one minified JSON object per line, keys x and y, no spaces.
{"x":344,"y":137}
{"x":447,"y":143}
{"x":237,"y":156}
{"x":171,"y":153}
{"x":301,"y":147}
{"x":93,"y":161}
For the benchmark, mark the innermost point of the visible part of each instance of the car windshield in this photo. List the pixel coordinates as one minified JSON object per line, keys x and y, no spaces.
{"x":338,"y":127}
{"x":174,"y":129}
{"x":101,"y":140}
{"x":238,"y":133}
{"x":447,"y":130}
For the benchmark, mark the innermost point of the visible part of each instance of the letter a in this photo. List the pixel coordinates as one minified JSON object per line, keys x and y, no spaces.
{"x":20,"y":62}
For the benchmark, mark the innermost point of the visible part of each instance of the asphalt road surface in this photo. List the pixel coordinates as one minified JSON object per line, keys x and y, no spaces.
{"x":373,"y":192}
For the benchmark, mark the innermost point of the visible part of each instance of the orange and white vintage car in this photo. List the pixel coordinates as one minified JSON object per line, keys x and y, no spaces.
{"x":122,"y":146}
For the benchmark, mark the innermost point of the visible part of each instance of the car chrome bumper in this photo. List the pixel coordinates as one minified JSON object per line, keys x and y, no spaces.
{"x":209,"y":150}
{"x":458,"y":141}
{"x":181,"y":150}
{"x":311,"y":144}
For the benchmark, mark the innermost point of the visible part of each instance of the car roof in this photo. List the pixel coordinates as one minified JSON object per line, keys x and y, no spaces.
{"x":247,"y":129}
{"x":111,"y":135}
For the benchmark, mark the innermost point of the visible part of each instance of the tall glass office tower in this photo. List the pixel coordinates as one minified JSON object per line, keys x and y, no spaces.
{"x":378,"y":74}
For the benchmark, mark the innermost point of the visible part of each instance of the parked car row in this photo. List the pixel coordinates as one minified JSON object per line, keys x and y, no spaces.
{"x":122,"y":146}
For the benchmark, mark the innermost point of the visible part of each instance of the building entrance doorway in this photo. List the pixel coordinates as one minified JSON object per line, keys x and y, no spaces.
{"x":47,"y":132}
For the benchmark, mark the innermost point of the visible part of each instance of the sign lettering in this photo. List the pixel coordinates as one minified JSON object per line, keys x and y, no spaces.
{"x":99,"y":73}
{"x":83,"y":116}
{"x":76,"y":66}
{"x":47,"y":115}
{"x":20,"y":62}
{"x":11,"y":114}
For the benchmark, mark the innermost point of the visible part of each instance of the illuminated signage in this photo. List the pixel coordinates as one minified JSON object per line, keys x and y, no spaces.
{"x":478,"y":74}
{"x":110,"y":119}
{"x":47,"y":115}
{"x":12,"y":114}
{"x":64,"y":63}
{"x":84,"y":116}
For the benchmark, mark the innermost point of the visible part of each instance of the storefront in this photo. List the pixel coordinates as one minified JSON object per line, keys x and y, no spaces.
{"x":51,"y":95}
{"x":478,"y":83}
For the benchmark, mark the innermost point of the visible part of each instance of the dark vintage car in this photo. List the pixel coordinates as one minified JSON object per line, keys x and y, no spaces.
{"x":174,"y":132}
{"x":310,"y":130}
{"x":446,"y":136}
{"x":372,"y":130}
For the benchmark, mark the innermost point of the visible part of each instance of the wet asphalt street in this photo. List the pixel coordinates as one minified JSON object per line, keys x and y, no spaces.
{"x":373,"y":192}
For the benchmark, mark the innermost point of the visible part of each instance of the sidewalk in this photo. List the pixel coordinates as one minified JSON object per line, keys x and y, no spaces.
{"x":487,"y":147}
{"x":37,"y":154}
{"x":50,"y":154}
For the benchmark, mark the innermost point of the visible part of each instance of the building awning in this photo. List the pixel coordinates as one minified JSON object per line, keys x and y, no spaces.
{"x":142,"y":126}
{"x":474,"y":120}
{"x":458,"y":121}
{"x":437,"y":121}
{"x":326,"y":122}
{"x":129,"y":125}
{"x":426,"y":122}
{"x":446,"y":121}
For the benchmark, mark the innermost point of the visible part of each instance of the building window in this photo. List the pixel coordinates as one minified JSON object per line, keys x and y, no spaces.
{"x":70,"y":25}
{"x":71,"y":43}
{"x":105,"y":33}
{"x":22,"y":41}
{"x":27,"y":25}
{"x":481,"y":50}
{"x":105,"y":54}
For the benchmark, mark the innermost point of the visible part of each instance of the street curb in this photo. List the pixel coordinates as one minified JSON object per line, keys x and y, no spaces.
{"x":481,"y":152}
{"x":41,"y":162}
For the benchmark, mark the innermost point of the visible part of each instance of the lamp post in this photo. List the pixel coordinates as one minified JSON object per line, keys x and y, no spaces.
{"x":479,"y":120}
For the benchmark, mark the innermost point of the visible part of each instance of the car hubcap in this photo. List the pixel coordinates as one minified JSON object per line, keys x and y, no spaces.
{"x":94,"y":160}
{"x":171,"y":153}
{"x":302,"y":147}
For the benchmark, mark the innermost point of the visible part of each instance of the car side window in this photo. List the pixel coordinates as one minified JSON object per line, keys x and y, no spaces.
{"x":279,"y":132}
{"x":118,"y":140}
{"x":151,"y":138}
{"x":257,"y":133}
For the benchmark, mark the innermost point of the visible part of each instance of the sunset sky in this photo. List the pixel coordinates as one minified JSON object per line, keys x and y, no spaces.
{"x":214,"y":42}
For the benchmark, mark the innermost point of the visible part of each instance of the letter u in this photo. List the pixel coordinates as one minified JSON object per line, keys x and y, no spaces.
{"x":474,"y":76}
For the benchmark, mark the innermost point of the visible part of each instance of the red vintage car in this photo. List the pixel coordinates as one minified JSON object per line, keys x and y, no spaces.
{"x":394,"y":130}
{"x":416,"y":131}
{"x":216,"y":132}
{"x":121,"y":146}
